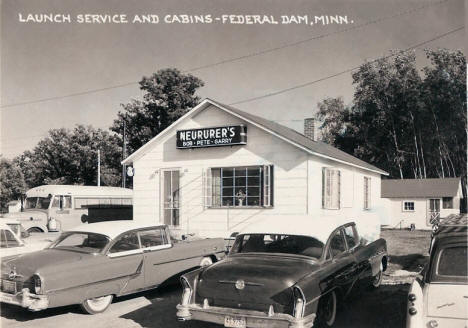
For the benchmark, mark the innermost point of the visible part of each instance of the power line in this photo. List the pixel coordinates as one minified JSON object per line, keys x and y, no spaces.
{"x":271,"y":94}
{"x":225,"y":61}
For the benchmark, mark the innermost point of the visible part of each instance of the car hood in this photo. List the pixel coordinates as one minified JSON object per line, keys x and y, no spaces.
{"x":267,"y":278}
{"x":28,"y":264}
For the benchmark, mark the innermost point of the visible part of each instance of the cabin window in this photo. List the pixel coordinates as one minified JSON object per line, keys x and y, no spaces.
{"x":367,"y":193}
{"x":62,"y":201}
{"x":243,"y":186}
{"x":408,"y":206}
{"x":151,"y":238}
{"x":447,"y":202}
{"x":8,"y":240}
{"x":331,"y":186}
{"x":126,"y":242}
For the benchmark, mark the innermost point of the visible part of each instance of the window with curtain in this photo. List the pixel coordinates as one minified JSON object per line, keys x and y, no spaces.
{"x":331,"y":186}
{"x":242,"y":186}
{"x":367,"y":193}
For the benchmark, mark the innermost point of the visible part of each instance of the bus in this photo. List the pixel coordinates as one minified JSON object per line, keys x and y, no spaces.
{"x":52,"y":208}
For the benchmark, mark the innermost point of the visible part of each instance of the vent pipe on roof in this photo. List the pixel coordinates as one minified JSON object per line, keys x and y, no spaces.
{"x":309,"y":128}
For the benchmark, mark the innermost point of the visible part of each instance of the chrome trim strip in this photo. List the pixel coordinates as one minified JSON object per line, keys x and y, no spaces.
{"x":245,"y":282}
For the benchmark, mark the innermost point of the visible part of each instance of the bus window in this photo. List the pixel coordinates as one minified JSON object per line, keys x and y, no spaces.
{"x":62,"y":202}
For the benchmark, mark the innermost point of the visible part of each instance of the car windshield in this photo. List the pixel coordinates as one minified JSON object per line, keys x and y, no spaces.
{"x":276,"y":243}
{"x":37,"y":202}
{"x":81,"y":242}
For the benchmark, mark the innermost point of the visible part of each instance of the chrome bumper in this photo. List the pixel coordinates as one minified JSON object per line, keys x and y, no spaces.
{"x":252,"y":318}
{"x":25,"y":299}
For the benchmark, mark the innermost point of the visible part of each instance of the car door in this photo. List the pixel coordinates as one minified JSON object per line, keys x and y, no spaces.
{"x":342,"y":261}
{"x":356,"y":251}
{"x":125,"y":263}
{"x":157,"y":256}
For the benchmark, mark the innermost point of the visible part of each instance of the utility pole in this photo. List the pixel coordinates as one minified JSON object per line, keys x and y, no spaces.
{"x":124,"y":152}
{"x":99,"y":168}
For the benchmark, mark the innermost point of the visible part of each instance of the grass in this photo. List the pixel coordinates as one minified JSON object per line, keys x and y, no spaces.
{"x":408,"y":252}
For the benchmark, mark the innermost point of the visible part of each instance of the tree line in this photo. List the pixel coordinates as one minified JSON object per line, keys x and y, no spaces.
{"x":407,"y":121}
{"x":410,"y":122}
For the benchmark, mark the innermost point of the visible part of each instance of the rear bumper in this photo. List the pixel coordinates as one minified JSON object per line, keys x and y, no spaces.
{"x":25,"y":299}
{"x":252,"y":318}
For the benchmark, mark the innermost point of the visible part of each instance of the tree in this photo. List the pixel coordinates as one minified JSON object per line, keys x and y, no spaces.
{"x":168,"y":94}
{"x":331,"y":113}
{"x":70,"y":157}
{"x":409,"y":122}
{"x":13,"y":185}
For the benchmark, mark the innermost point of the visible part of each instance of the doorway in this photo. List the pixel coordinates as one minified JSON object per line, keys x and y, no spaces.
{"x":170,"y":196}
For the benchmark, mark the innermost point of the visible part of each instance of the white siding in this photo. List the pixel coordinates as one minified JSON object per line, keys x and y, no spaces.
{"x":297,"y":179}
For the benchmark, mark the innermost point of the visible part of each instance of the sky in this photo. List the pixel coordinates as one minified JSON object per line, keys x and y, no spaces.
{"x":59,"y":74}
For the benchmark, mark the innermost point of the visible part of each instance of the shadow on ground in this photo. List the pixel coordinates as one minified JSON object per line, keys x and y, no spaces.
{"x":410,"y":262}
{"x":384,"y":307}
{"x":14,"y":312}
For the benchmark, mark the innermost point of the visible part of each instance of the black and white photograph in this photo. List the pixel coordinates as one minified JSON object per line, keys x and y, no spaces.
{"x":223,"y":163}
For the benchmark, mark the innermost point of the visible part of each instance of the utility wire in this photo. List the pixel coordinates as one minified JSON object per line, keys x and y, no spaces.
{"x":271,"y":94}
{"x":225,"y":61}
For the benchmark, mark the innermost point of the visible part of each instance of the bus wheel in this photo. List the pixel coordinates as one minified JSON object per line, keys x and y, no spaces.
{"x":35,"y":229}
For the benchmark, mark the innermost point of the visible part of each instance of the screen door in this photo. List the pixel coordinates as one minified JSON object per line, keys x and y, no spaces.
{"x":170,"y":195}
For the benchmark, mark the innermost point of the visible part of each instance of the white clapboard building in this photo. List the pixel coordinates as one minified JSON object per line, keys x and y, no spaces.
{"x":218,"y":169}
{"x":418,"y":201}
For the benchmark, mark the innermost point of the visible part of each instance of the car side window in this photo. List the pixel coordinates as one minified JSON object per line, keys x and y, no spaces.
{"x":126,"y":242}
{"x":152,"y":238}
{"x":337,"y":244}
{"x":8,"y":240}
{"x":351,"y":236}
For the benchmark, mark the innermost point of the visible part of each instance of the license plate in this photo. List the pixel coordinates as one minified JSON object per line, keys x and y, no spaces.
{"x":9,"y":286}
{"x":234,"y":322}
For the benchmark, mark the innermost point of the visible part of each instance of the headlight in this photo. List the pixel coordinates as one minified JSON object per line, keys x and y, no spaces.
{"x":187,"y":291}
{"x":299,"y":302}
{"x":38,"y":284}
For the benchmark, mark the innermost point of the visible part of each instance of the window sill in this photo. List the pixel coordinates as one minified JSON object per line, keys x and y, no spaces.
{"x":239,"y":207}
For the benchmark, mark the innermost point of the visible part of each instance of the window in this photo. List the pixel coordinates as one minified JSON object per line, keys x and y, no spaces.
{"x":83,"y":202}
{"x":62,"y":201}
{"x":367,"y":193}
{"x":127,"y":242}
{"x":337,"y":244}
{"x":241,"y":186}
{"x":351,"y":236}
{"x":447,"y":202}
{"x":331,"y":188}
{"x":82,"y":241}
{"x":408,"y":206}
{"x":8,"y":240}
{"x":152,"y":238}
{"x":453,"y":262}
{"x":275,"y":243}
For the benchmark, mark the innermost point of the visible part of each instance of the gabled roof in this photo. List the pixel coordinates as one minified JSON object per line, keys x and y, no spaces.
{"x":291,"y":136}
{"x":419,"y":188}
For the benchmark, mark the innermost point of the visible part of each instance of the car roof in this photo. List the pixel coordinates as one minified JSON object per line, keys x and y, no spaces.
{"x":301,"y":225}
{"x":112,"y":229}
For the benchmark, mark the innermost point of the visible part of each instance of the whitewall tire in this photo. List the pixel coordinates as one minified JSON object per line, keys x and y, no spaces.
{"x":206,"y":261}
{"x":326,"y":312}
{"x":96,"y":305}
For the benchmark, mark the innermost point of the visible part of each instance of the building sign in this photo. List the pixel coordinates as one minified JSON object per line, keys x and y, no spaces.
{"x":212,"y":137}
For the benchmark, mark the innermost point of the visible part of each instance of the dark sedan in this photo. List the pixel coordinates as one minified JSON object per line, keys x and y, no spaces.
{"x":290,"y":274}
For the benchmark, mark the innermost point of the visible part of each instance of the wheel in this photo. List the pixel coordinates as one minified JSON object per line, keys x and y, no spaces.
{"x":377,"y":279}
{"x":34,"y":229}
{"x":326,"y":312}
{"x":206,"y":261}
{"x":96,"y":305}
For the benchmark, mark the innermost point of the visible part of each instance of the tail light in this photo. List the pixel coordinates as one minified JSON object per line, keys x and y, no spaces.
{"x":187,"y":291}
{"x":412,"y":297}
{"x":299,"y":302}
{"x":38,"y":284}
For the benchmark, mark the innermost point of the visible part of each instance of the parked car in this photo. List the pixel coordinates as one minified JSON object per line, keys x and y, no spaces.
{"x":12,"y":242}
{"x":92,"y":263}
{"x":283,"y":273}
{"x":440,"y":298}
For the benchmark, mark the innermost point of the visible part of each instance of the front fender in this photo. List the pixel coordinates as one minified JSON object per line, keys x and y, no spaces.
{"x":415,"y":320}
